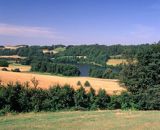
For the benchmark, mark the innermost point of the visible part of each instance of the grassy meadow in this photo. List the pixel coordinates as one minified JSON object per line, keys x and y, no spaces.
{"x":83,"y":120}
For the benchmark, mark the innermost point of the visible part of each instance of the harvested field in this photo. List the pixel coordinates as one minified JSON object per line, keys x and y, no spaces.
{"x":13,"y":57}
{"x":14,"y":47}
{"x":45,"y":81}
{"x":49,"y":51}
{"x":83,"y":120}
{"x":115,"y":62}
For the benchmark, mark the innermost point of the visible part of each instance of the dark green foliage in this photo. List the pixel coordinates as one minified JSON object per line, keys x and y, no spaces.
{"x":102,"y":99}
{"x":64,"y":69}
{"x":143,"y":79}
{"x":7,"y":52}
{"x":114,"y":103}
{"x":22,"y":98}
{"x":87,"y":84}
{"x":110,"y":72}
{"x":3,"y":63}
{"x":81,"y":98}
{"x":68,"y":59}
{"x":79,"y":83}
{"x":93,"y":53}
{"x":91,"y":99}
{"x":61,"y":97}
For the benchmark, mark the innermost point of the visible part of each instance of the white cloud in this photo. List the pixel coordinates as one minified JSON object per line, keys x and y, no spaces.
{"x":26,"y":31}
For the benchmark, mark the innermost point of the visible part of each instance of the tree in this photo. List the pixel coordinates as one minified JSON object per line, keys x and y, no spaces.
{"x":91,"y":99}
{"x":4,"y":63}
{"x":79,"y":83}
{"x":81,"y":98}
{"x":102,"y":99}
{"x":87,"y":84}
{"x":35,"y":82}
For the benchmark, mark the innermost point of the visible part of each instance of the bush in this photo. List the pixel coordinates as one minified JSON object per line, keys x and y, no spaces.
{"x":16,"y":70}
{"x":102,"y":99}
{"x":87,"y":84}
{"x":79,"y":83}
{"x":4,"y":69}
{"x":4,"y":63}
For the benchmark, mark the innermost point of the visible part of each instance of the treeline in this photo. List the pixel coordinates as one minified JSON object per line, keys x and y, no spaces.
{"x":98,"y":54}
{"x":101,"y":53}
{"x":26,"y":51}
{"x":109,"y":72}
{"x":64,"y":69}
{"x":93,"y":53}
{"x":69,"y":59}
{"x":22,"y":98}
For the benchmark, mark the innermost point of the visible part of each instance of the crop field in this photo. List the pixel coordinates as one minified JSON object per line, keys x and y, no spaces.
{"x":12,"y":47}
{"x":13,"y":57}
{"x":115,"y":62}
{"x":57,"y":50}
{"x":49,"y":51}
{"x":45,"y":81}
{"x":83,"y":120}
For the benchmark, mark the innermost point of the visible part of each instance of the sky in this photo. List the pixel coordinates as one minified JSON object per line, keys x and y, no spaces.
{"x":46,"y":22}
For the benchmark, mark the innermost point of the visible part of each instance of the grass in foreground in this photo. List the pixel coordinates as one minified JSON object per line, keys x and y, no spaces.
{"x":88,"y":120}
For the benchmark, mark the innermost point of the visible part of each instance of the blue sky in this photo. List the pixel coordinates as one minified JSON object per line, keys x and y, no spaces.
{"x":79,"y":21}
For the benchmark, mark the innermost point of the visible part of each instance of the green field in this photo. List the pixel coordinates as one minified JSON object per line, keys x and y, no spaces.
{"x":92,"y":120}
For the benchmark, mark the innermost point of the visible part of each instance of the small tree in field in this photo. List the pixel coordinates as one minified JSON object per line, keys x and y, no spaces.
{"x":35,"y":82}
{"x":79,"y":83}
{"x":87,"y":84}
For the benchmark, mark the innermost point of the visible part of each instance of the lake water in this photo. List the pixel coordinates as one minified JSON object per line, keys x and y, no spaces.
{"x":84,"y":69}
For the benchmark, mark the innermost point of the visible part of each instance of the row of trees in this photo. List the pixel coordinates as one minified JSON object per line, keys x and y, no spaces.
{"x":64,"y":69}
{"x":22,"y":98}
{"x":100,"y":53}
{"x":110,"y":72}
{"x":4,"y":63}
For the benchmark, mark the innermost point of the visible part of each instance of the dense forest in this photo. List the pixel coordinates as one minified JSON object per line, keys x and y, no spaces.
{"x":143,"y":79}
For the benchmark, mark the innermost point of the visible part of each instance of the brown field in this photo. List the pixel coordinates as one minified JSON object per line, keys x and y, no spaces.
{"x":23,"y":68}
{"x":13,"y":57}
{"x":45,"y":81}
{"x":115,"y":62}
{"x":49,"y":51}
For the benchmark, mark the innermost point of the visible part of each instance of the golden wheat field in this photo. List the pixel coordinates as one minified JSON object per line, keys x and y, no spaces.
{"x":45,"y":81}
{"x":115,"y":62}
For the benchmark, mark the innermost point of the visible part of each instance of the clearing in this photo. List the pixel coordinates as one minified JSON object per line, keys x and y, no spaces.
{"x":115,"y":62}
{"x":13,"y":57}
{"x":83,"y":120}
{"x":56,"y":50}
{"x":112,"y":86}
